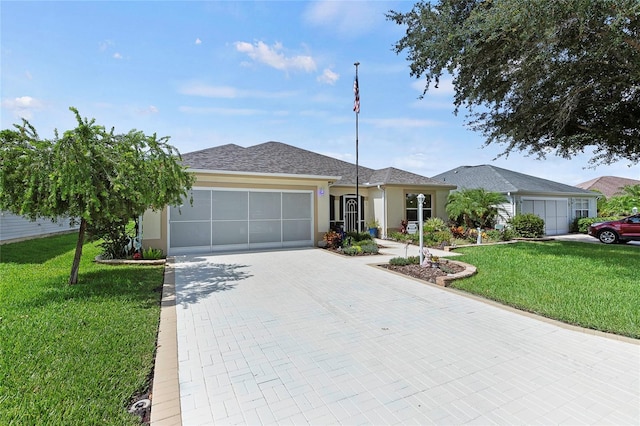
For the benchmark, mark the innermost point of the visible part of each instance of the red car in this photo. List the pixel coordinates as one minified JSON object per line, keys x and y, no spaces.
{"x":617,"y":231}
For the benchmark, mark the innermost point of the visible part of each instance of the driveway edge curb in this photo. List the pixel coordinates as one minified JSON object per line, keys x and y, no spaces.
{"x":165,"y":399}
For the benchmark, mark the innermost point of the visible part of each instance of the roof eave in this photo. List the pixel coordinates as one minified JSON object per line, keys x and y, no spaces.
{"x":280,"y":175}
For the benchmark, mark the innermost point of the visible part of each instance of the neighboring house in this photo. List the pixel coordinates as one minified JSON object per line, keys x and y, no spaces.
{"x":275,"y":195}
{"x":558,"y":204}
{"x":17,"y":228}
{"x":608,"y":185}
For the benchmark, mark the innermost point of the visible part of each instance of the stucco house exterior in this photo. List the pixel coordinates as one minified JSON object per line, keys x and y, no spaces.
{"x":275,"y":195}
{"x":556,"y":203}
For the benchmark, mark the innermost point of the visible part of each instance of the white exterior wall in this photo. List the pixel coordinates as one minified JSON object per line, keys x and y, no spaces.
{"x":15,"y":228}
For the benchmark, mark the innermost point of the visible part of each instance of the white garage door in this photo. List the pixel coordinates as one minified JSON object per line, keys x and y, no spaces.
{"x":554,"y":212}
{"x":221,"y":219}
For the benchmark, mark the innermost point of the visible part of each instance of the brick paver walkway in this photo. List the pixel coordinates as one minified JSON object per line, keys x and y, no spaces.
{"x":308,"y":337}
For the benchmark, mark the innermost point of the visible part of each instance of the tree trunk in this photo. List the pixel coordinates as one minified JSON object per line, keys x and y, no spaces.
{"x":73,"y":279}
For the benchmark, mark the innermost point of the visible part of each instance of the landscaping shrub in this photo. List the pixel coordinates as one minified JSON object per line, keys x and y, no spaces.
{"x":352,"y":250}
{"x":582,"y":224}
{"x":403,"y":238}
{"x":359,"y":236}
{"x":114,"y":238}
{"x":434,"y":224}
{"x":402,"y":261}
{"x":494,"y":235}
{"x":437,"y":238}
{"x":152,"y":254}
{"x":527,"y":225}
{"x":333,"y":239}
{"x":457,"y":232}
{"x":371,"y":248}
{"x":471,"y":235}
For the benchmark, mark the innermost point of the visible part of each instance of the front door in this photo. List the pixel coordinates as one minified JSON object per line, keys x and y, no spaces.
{"x":350,"y":214}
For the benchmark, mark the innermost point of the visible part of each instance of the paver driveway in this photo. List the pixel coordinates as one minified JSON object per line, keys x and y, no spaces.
{"x":309,"y":337}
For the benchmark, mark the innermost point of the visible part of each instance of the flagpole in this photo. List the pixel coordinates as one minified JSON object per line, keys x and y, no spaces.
{"x":356,"y":108}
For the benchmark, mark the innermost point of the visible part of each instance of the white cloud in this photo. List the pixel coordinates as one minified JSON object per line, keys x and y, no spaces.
{"x":117,"y":55}
{"x":198,"y":41}
{"x":274,"y":57}
{"x":328,"y":77}
{"x":22,"y":107}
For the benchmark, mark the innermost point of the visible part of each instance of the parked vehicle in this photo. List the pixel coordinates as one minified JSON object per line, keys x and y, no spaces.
{"x":621,"y":230}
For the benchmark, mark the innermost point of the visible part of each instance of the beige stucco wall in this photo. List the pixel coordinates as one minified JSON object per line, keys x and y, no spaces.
{"x":396,"y":203}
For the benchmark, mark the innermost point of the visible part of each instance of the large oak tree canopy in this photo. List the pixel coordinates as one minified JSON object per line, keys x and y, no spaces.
{"x":89,"y":173}
{"x":540,"y":76}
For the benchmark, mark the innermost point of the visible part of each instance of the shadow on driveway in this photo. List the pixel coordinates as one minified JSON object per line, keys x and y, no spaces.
{"x":199,"y":277}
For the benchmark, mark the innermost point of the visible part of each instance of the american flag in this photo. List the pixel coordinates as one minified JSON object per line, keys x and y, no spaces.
{"x":356,"y":91}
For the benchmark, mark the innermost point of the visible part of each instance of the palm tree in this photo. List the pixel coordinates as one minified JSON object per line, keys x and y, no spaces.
{"x":622,"y":205}
{"x":475,"y":207}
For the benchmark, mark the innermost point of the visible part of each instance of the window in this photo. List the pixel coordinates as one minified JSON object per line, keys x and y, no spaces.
{"x":411,"y":207}
{"x":581,"y":207}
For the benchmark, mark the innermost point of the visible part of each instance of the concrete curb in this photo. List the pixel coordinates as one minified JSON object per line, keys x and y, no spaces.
{"x":165,"y":397}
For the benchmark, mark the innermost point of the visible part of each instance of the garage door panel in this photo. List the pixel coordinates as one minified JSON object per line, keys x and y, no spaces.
{"x":265,"y":205}
{"x":200,"y":209}
{"x":230,"y":205}
{"x":296,"y":205}
{"x":265,"y":231}
{"x":296,"y":230}
{"x":190,"y":234}
{"x":230,"y":232}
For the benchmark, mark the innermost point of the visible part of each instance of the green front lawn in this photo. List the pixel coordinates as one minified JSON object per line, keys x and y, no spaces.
{"x":591,"y":285}
{"x":73,"y":354}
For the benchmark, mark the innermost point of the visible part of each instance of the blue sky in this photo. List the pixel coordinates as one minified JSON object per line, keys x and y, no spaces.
{"x":212,"y":73}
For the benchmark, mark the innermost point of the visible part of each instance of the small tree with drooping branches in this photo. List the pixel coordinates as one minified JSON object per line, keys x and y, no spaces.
{"x":90,"y":174}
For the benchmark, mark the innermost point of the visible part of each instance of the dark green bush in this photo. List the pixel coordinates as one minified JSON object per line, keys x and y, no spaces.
{"x":402,"y":261}
{"x":115,"y":237}
{"x":582,"y":225}
{"x":527,"y":225}
{"x":505,"y":234}
{"x":358,"y":236}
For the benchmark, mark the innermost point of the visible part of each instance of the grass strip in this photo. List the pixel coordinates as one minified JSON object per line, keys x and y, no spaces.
{"x":73,"y":354}
{"x":589,"y":285}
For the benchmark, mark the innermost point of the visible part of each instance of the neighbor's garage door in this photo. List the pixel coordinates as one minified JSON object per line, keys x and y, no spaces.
{"x":221,"y":219}
{"x":554,"y":212}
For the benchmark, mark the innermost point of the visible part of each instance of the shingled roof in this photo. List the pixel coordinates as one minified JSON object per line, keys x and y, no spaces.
{"x":497,"y":179}
{"x":280,"y":158}
{"x":608,"y":185}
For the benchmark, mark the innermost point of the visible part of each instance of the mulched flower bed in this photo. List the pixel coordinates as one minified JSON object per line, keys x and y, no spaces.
{"x":424,"y":273}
